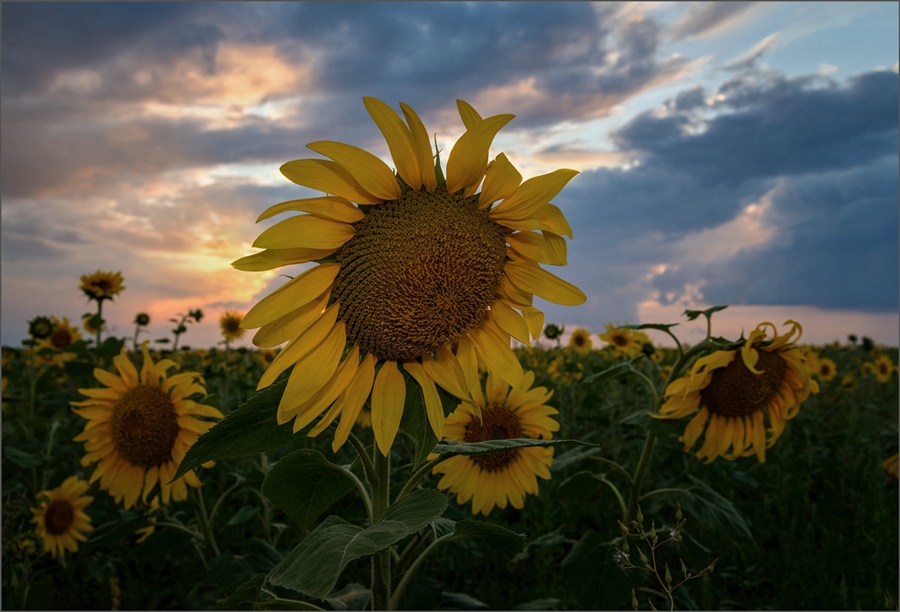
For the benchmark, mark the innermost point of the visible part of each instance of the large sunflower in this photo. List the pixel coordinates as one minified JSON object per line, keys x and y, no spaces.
{"x":736,"y":390}
{"x":415,"y":272}
{"x":139,"y":428}
{"x":60,"y":519}
{"x":495,"y":479}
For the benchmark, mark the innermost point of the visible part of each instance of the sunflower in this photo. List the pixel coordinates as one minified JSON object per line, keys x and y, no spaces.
{"x":62,"y":336}
{"x":88,"y":323}
{"x":230,"y":324}
{"x":416,"y":273}
{"x":883,"y":369}
{"x":626,"y":342}
{"x":580,"y":341}
{"x":735,"y":393}
{"x":825,"y":370}
{"x":892,"y":465}
{"x":495,"y":479}
{"x":139,"y":428}
{"x":102,"y":285}
{"x":60,"y":519}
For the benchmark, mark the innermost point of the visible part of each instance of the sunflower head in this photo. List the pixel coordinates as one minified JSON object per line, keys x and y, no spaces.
{"x":884,"y":369}
{"x":580,"y":341}
{"x":553,"y":331}
{"x":140,"y":427}
{"x":59,"y":518}
{"x":40,"y":328}
{"x":506,"y":477}
{"x":625,"y":342}
{"x":826,"y":369}
{"x":732,"y":392}
{"x":102,"y":285}
{"x":420,"y":276}
{"x":142,"y":319}
{"x":230,"y":325}
{"x":91,"y":323}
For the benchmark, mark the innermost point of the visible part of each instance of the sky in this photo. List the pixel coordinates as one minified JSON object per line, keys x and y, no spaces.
{"x":729,"y":153}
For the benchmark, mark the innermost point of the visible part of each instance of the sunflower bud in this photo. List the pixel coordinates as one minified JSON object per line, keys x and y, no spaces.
{"x":643,"y":557}
{"x":678,"y":511}
{"x":553,"y":331}
{"x":634,"y":601}
{"x":668,"y":576}
{"x":684,"y":571}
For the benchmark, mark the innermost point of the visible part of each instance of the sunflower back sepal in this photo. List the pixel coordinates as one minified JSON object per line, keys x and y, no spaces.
{"x":305,"y":484}
{"x":251,"y":429}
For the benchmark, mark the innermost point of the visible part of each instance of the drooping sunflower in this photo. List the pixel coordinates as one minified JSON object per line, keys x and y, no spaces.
{"x":140,"y":427}
{"x":415,"y":272}
{"x":230,"y":325}
{"x":625,"y":342}
{"x":102,"y":285}
{"x":60,"y":519}
{"x":735,"y":391}
{"x":580,"y":341}
{"x":506,"y":413}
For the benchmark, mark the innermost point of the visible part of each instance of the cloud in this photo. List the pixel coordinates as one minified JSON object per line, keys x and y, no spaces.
{"x":747,"y":60}
{"x":707,"y":18}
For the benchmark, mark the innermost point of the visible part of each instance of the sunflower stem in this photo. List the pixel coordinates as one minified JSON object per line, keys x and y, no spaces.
{"x":659,"y":491}
{"x":618,"y":495}
{"x":203,"y":522}
{"x":381,"y":561}
{"x":634,"y":493}
{"x":99,"y":327}
{"x":404,"y":582}
{"x":368,"y":468}
{"x":419,"y":474}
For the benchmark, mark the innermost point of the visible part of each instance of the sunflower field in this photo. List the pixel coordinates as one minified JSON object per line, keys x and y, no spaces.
{"x":410,"y":434}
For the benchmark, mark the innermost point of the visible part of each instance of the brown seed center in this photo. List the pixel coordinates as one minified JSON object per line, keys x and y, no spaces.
{"x":498,"y":423}
{"x":736,"y":391}
{"x":59,"y":516}
{"x":61,"y":338}
{"x":419,"y":273}
{"x":144,"y":426}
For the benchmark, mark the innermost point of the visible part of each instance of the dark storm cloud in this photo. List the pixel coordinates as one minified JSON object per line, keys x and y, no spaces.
{"x":825,"y":159}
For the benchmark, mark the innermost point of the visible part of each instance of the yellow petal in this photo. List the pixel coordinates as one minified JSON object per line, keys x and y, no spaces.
{"x":759,"y":436}
{"x":325,"y":396}
{"x":433,"y":406}
{"x":533,"y":246}
{"x":552,"y":218}
{"x":497,"y":355}
{"x":495,"y":389}
{"x":510,"y":321}
{"x":534,"y":318}
{"x":419,"y":136}
{"x":538,"y":281}
{"x":300,"y":346}
{"x":399,"y":140}
{"x":388,"y":398}
{"x":324,"y":422}
{"x":469,"y":157}
{"x":556,"y":248}
{"x":532,"y":195}
{"x":446,"y":371}
{"x":353,"y":398}
{"x":501,"y":180}
{"x":514,"y":296}
{"x":327,"y":176}
{"x":312,"y":372}
{"x":371,"y":173}
{"x":290,"y":325}
{"x":126,"y":369}
{"x":306,"y":231}
{"x":329,"y":207}
{"x":293,"y":294}
{"x":270,"y":259}
{"x":469,"y":115}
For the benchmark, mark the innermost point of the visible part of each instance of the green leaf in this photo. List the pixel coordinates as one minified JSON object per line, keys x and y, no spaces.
{"x":451,"y":448}
{"x":417,"y":509}
{"x":660,"y":326}
{"x":305,"y":484}
{"x":226,"y":570}
{"x":661,"y":427}
{"x":713,"y":510}
{"x":442,"y":527}
{"x":494,"y":536}
{"x":551,"y":603}
{"x":607,"y":372}
{"x":249,"y":430}
{"x":315,"y":565}
{"x":212,"y":400}
{"x":693,"y":314}
{"x":245,"y":596}
{"x":548,"y":539}
{"x":244,"y":514}
{"x":573,"y":456}
{"x":110,"y":348}
{"x":461,"y":601}
{"x":21,"y":458}
{"x":354,"y":596}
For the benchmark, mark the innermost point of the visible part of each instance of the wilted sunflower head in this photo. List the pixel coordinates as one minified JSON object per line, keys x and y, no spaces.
{"x":553,"y":331}
{"x":230,"y":325}
{"x":736,"y":390}
{"x":419,"y":275}
{"x":102,"y":285}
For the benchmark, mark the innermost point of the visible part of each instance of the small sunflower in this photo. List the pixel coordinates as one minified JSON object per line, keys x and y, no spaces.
{"x":504,"y":477}
{"x":625,"y":342}
{"x":40,"y":328}
{"x":88,"y":322}
{"x":891,"y":465}
{"x":884,"y":369}
{"x":102,"y":285}
{"x":62,"y":336}
{"x":580,"y":341}
{"x":230,"y":324}
{"x":60,"y":519}
{"x":735,"y":390}
{"x":825,"y":370}
{"x":140,"y":427}
{"x":416,"y":273}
